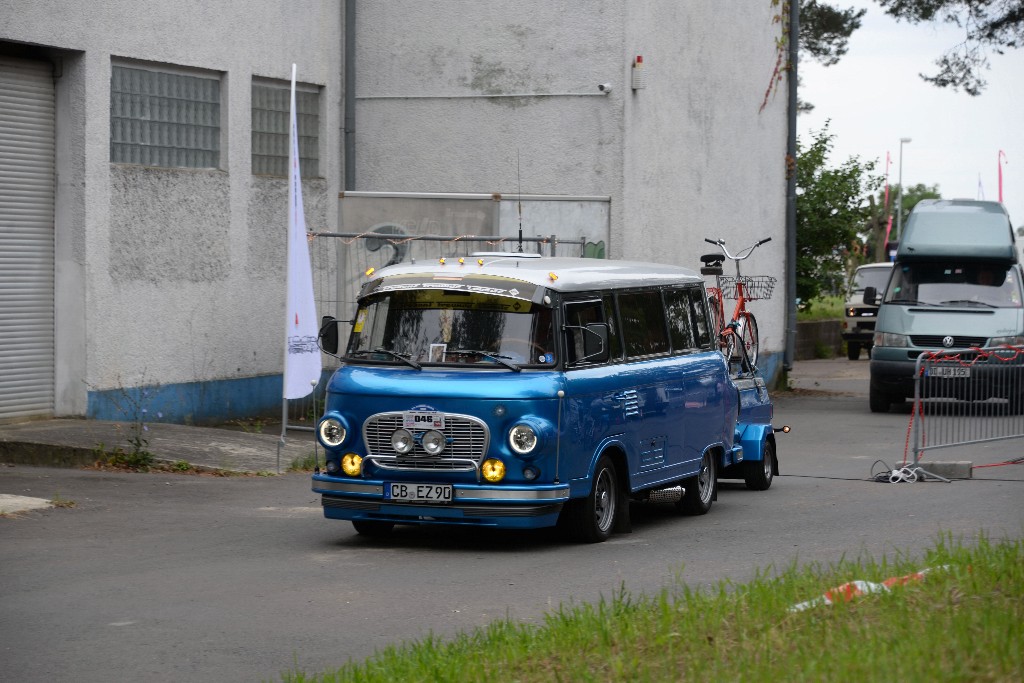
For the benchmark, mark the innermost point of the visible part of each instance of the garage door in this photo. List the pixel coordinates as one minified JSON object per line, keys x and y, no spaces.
{"x":26,"y":238}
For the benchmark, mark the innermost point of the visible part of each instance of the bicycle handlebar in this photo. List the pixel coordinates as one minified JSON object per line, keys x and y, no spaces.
{"x":742,"y":254}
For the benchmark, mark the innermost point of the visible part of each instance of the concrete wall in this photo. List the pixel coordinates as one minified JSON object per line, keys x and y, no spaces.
{"x":690,"y":156}
{"x":175,"y":277}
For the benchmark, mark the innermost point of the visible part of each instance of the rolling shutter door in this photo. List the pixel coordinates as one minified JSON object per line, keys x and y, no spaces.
{"x":26,"y":238}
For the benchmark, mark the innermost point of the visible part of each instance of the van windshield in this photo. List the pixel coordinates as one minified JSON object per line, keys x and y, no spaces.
{"x":434,"y":327}
{"x":983,"y":285}
{"x":871,"y":277}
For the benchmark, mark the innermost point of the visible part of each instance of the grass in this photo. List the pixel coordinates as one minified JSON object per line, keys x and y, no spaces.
{"x":963,"y":621}
{"x":822,"y":308}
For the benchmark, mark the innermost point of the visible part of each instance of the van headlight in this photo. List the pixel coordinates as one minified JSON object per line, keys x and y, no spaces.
{"x":332,"y":432}
{"x":522,"y":439}
{"x":890,"y":339}
{"x":1007,"y":341}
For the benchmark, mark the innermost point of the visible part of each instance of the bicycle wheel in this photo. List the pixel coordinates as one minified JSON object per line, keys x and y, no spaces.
{"x":748,"y":334}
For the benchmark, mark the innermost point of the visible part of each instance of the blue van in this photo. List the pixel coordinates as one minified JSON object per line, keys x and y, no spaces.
{"x":518,"y":391}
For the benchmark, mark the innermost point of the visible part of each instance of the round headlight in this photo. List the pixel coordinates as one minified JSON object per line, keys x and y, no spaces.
{"x":402,"y":441}
{"x":522,"y":439}
{"x":332,"y":432}
{"x":352,"y":464}
{"x":493,"y":470}
{"x":433,"y":442}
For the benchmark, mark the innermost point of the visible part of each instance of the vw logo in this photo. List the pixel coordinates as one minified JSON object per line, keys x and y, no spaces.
{"x":947,"y":341}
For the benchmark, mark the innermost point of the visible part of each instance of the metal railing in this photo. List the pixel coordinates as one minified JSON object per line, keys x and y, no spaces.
{"x":967,"y":397}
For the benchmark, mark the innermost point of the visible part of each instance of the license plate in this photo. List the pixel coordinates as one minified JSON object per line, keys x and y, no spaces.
{"x":949,"y":371}
{"x":422,"y":419}
{"x":431,"y":493}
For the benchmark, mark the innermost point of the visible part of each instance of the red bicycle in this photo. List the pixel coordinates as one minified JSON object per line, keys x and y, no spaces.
{"x":740,"y":331}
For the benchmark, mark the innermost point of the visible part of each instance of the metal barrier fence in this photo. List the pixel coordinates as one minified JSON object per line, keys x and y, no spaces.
{"x":340,"y":261}
{"x":967,"y":397}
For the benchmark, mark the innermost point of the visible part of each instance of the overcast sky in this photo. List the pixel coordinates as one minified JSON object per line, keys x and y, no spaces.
{"x":874,"y":97}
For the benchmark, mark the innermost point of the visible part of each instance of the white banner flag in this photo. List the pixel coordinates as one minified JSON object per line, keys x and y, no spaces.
{"x":302,"y":365}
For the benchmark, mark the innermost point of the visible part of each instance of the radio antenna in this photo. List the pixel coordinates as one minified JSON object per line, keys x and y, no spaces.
{"x":519,"y":182}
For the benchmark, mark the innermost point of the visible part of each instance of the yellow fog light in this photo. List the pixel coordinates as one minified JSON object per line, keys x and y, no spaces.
{"x":352,"y":464}
{"x":493,"y":470}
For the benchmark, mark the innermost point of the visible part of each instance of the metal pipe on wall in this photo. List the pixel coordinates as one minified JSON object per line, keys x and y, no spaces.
{"x":794,"y":48}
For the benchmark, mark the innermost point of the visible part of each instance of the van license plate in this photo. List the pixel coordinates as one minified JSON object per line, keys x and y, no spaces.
{"x":432,"y":493}
{"x":949,"y":371}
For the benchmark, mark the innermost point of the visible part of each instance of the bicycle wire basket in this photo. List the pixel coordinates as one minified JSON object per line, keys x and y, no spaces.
{"x":754,"y":286}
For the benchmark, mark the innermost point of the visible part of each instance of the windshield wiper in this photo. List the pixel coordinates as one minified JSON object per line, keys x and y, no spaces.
{"x":911,"y":302}
{"x":968,"y":302}
{"x":490,"y":356}
{"x":394,"y":354}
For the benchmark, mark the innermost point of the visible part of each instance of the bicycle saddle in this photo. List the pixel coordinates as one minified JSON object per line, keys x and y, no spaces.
{"x":712,"y":259}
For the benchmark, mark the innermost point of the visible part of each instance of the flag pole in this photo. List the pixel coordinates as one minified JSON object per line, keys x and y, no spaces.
{"x":302,"y":363}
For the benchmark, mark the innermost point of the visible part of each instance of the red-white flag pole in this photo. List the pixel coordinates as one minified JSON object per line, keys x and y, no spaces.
{"x":1001,"y":159}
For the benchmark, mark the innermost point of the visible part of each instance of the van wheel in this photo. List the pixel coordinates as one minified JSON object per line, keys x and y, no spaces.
{"x":700,"y":488}
{"x":878,"y":400}
{"x":758,"y":476}
{"x":852,"y":350}
{"x":592,"y":519}
{"x":372,"y":529}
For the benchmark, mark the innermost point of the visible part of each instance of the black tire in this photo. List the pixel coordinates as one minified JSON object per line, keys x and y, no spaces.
{"x":748,"y":336}
{"x":592,"y":519}
{"x":878,"y":400}
{"x":701,"y":489}
{"x":372,"y":529}
{"x":852,"y":350}
{"x":759,"y":474}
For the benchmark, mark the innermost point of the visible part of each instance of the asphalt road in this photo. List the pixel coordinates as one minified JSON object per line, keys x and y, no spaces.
{"x":163,"y":577}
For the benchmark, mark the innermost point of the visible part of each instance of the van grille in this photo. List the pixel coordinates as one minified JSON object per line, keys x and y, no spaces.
{"x":935,"y":341}
{"x":467,"y":437}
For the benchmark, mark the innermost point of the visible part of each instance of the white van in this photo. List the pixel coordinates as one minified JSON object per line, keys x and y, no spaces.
{"x":859,"y":317}
{"x":956,"y":284}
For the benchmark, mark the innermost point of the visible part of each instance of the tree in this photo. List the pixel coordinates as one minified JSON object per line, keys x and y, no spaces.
{"x":994,"y":25}
{"x":878,"y":220}
{"x":987,"y":24}
{"x":825,"y":30}
{"x":831,"y":208}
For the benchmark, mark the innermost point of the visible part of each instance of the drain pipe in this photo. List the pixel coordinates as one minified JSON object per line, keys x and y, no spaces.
{"x":794,"y":48}
{"x":349,"y":129}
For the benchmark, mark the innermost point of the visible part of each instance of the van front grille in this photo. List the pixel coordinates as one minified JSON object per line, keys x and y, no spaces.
{"x":467,"y":440}
{"x":935,"y":341}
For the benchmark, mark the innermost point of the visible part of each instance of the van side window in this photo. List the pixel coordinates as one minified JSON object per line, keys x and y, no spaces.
{"x":614,"y":339}
{"x":680,"y":324}
{"x":643,"y":323}
{"x":577,"y":315}
{"x":699,"y":315}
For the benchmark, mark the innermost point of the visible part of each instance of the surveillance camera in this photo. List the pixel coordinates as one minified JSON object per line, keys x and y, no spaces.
{"x":604,"y":87}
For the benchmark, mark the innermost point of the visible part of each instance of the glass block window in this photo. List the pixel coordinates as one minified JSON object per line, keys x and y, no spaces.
{"x":270,"y":122}
{"x":160,"y":118}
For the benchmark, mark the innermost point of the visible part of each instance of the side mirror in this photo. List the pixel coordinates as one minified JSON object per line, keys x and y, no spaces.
{"x":329,"y":334}
{"x":871,"y":296}
{"x":595,"y":342}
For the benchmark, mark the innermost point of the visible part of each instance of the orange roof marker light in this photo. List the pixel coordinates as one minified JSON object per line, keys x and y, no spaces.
{"x":552,"y":276}
{"x":441,"y":261}
{"x":369,"y":271}
{"x":462,"y":261}
{"x":480,"y":262}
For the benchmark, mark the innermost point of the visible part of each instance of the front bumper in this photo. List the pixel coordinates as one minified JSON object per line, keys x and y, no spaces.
{"x":510,"y":507}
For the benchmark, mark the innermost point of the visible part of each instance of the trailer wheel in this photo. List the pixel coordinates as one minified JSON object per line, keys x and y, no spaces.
{"x":758,"y":476}
{"x":700,"y":488}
